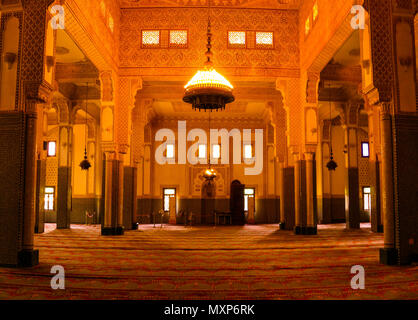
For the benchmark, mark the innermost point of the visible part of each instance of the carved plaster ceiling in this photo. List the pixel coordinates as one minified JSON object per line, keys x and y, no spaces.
{"x":258,"y":4}
{"x":349,"y":54}
{"x":236,"y":110}
{"x":67,"y":50}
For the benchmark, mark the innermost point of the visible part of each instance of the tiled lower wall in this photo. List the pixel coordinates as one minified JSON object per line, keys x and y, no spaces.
{"x":267,"y":210}
{"x":78,"y":213}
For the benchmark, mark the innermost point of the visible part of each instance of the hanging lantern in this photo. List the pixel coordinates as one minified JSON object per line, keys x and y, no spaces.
{"x":85,"y":164}
{"x":208,"y":89}
{"x":331,"y":165}
{"x":209,"y":174}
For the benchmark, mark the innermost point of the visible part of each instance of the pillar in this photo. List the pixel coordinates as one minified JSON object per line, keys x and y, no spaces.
{"x":130,"y":183}
{"x":64,"y":189}
{"x":28,"y":256}
{"x":351,"y":176}
{"x":287,"y":197}
{"x":40,"y":196}
{"x":388,"y":255}
{"x":113,"y":196}
{"x":374,"y":171}
{"x":18,"y":132}
{"x":311,"y":227}
{"x":282,"y":224}
{"x":300,"y":195}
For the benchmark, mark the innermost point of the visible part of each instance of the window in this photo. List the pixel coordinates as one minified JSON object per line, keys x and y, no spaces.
{"x":170,"y":151}
{"x":202,"y":151}
{"x":150,"y":38}
{"x":168,"y":193}
{"x":216,"y":151}
{"x":111,"y":23}
{"x":367,"y":198}
{"x":307,"y":26}
{"x":52,"y":149}
{"x":178,"y":38}
{"x":49,"y":198}
{"x":236,"y":39}
{"x":264,"y":40}
{"x":248,"y":193}
{"x":365,"y":151}
{"x":248,"y":151}
{"x":315,"y":11}
{"x":103,"y":8}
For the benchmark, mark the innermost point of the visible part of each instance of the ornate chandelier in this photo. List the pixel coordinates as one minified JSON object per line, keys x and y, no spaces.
{"x":209,"y":174}
{"x":331,"y":165}
{"x":85,"y":164}
{"x":208,"y":89}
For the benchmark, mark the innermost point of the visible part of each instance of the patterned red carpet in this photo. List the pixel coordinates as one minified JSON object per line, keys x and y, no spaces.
{"x":251,"y":262}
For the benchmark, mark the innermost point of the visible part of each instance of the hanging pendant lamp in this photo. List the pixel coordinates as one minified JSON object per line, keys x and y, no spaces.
{"x":208,"y":89}
{"x":331,"y":165}
{"x":85,"y":164}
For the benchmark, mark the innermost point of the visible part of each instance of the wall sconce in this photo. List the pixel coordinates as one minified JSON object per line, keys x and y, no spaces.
{"x":10,"y":59}
{"x":366,"y":64}
{"x":405,"y":62}
{"x":345,"y":149}
{"x":50,"y":62}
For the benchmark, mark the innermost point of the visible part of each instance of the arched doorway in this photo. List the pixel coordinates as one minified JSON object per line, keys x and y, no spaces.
{"x":208,"y":202}
{"x":237,"y":203}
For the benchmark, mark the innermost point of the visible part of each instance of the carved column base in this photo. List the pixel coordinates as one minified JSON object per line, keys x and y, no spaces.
{"x":28,"y":258}
{"x":118,"y":231}
{"x":297,"y":230}
{"x":306,"y":231}
{"x":388,"y":256}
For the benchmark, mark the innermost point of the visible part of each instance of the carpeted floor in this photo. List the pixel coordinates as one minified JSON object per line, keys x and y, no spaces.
{"x":251,"y":262}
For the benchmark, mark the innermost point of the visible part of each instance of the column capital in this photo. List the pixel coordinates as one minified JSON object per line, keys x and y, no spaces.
{"x":109,"y":147}
{"x":106,"y":81}
{"x":385,"y":110}
{"x":312,"y":83}
{"x":294,"y":150}
{"x":123,"y":148}
{"x":309,"y":155}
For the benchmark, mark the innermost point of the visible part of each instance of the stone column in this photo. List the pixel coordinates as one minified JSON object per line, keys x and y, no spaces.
{"x":352,"y":198}
{"x":374,"y":167}
{"x":64,"y":189}
{"x":18,"y":136}
{"x":287,"y":197}
{"x":300,"y":199}
{"x":108,"y":176}
{"x":40,"y":195}
{"x":388,"y":255}
{"x":311,"y":224}
{"x":130,"y":197}
{"x":28,"y":256}
{"x":120,"y":191}
{"x":282,"y":224}
{"x":113,"y":197}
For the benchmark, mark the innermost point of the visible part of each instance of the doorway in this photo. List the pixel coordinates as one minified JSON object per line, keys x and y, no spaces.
{"x":249,"y":204}
{"x":208,"y":202}
{"x":169,"y":204}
